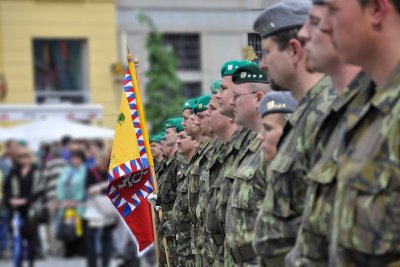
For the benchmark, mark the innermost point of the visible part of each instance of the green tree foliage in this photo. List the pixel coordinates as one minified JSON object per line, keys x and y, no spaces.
{"x":163,"y":92}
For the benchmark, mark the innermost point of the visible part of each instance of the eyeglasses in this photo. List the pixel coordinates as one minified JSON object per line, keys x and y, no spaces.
{"x":236,"y":96}
{"x":24,"y":155}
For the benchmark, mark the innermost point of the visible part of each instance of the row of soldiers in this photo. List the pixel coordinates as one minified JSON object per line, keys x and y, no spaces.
{"x":297,"y":168}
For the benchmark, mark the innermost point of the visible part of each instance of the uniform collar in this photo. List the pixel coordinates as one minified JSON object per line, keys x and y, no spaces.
{"x":388,"y":94}
{"x":316,"y":90}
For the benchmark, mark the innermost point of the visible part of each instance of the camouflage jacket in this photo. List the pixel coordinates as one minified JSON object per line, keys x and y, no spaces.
{"x":166,"y":195}
{"x":240,"y":141}
{"x":312,"y":239}
{"x":206,"y":180}
{"x":279,"y":218}
{"x":180,"y":213}
{"x":366,"y":211}
{"x":197,"y":167}
{"x":247,"y":193}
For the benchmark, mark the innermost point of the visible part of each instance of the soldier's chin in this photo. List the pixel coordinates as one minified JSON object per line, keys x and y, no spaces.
{"x":277,"y":87}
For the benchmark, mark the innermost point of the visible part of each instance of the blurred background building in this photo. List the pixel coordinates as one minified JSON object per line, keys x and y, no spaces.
{"x":58,"y":53}
{"x":203,"y":34}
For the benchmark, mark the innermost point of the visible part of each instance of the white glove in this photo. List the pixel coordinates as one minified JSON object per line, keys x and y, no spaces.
{"x":157,"y":208}
{"x":152,"y":198}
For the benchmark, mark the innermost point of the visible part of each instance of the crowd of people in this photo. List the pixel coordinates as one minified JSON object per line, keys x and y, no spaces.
{"x":54,"y":203}
{"x":294,"y":161}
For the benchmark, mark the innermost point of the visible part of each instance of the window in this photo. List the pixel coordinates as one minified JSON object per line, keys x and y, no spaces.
{"x":191,"y":89}
{"x":254,"y":40}
{"x":60,"y":72}
{"x":186,"y":48}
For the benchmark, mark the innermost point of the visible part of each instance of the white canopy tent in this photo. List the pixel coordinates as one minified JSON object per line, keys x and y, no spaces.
{"x":51,"y":129}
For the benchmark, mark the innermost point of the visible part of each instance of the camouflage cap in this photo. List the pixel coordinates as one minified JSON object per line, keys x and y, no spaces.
{"x":215,"y":87}
{"x":172,"y":123}
{"x":281,"y":17}
{"x":249,"y":73}
{"x":202,"y":103}
{"x":230,"y":66}
{"x":277,"y":102}
{"x":180,"y":128}
{"x":189,"y":104}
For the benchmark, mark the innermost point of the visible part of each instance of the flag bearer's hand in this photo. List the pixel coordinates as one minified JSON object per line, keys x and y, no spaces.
{"x":152,"y":198}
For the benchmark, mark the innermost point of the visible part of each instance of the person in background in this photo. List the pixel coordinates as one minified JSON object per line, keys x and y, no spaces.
{"x":70,"y":195}
{"x":96,"y":184}
{"x":21,"y":189}
{"x":92,"y":148}
{"x":66,"y":143}
{"x":7,"y":161}
{"x":51,"y":172}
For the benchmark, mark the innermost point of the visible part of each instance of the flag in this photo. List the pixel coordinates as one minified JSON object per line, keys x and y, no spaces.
{"x":130,"y":180}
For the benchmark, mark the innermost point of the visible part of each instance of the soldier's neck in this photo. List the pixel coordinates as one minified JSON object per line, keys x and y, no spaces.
{"x":303,"y":82}
{"x":226,"y":135}
{"x":342,"y":75}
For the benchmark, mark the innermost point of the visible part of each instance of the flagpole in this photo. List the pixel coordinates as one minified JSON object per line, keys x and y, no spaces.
{"x":135,"y":78}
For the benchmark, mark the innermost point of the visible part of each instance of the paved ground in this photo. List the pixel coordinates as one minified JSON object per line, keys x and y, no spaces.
{"x":59,"y":262}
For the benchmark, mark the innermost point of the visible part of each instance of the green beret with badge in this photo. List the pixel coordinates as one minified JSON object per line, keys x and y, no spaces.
{"x":249,"y":73}
{"x":189,"y":104}
{"x":215,"y":87}
{"x":155,"y":138}
{"x":202,"y":103}
{"x":282,"y":17}
{"x":172,"y":123}
{"x":277,"y":102}
{"x":230,"y":66}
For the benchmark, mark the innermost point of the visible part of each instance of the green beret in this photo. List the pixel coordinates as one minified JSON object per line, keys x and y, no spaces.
{"x":249,"y":73}
{"x":202,"y":103}
{"x":179,"y":128}
{"x":215,"y":87}
{"x":229,"y":67}
{"x":277,"y":102}
{"x":281,"y":17}
{"x":155,"y":138}
{"x":172,"y":123}
{"x":189,"y":104}
{"x":163,"y":136}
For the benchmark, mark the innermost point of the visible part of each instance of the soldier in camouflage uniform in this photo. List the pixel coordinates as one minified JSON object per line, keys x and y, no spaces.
{"x":181,"y":216}
{"x":224,"y":128}
{"x":167,"y":184}
{"x":362,"y":190}
{"x":312,"y":243}
{"x":156,"y":148}
{"x":249,"y":184}
{"x":235,"y":149}
{"x":156,"y":151}
{"x":201,"y":239}
{"x":279,"y":218}
{"x":197,"y":166}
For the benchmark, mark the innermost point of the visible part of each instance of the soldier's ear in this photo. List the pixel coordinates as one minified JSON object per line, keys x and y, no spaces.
{"x":296,"y":51}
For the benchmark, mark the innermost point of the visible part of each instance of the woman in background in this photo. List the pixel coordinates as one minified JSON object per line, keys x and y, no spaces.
{"x":70,"y":195}
{"x":21,"y":189}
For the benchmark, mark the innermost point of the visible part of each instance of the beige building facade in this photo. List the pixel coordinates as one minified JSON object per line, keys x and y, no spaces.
{"x":59,"y":53}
